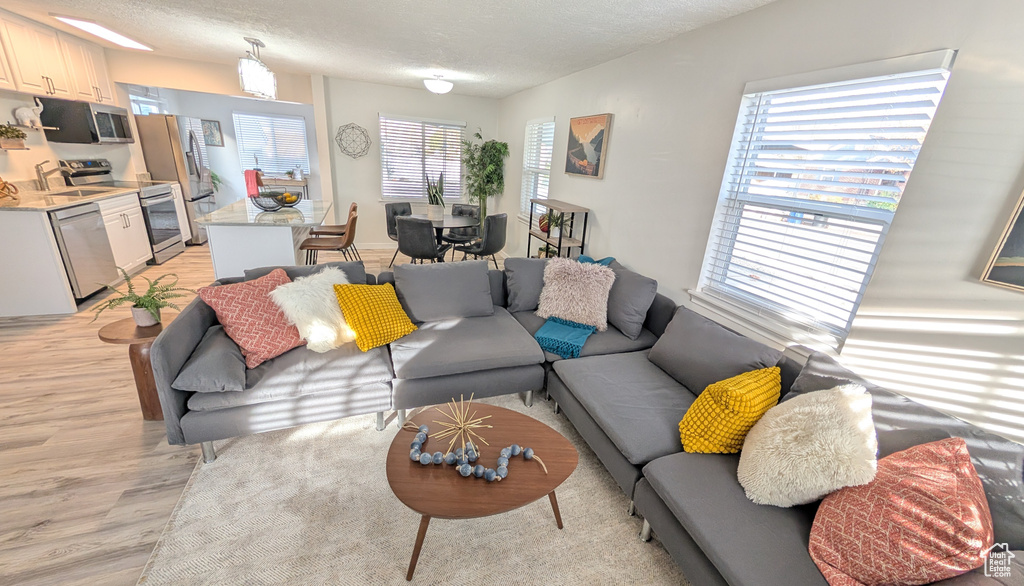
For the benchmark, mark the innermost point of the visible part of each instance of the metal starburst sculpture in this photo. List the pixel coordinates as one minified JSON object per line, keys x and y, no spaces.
{"x":462,"y":424}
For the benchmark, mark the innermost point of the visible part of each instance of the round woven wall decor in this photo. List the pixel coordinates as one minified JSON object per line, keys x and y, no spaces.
{"x":353,"y":140}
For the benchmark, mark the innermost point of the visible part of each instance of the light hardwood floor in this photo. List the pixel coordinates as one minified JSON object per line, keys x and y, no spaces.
{"x":86,"y":486}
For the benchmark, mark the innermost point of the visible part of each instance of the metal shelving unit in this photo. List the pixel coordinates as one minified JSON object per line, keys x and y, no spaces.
{"x":567,"y":238}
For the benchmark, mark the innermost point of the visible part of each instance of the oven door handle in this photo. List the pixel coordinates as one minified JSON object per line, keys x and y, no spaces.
{"x":152,"y":201}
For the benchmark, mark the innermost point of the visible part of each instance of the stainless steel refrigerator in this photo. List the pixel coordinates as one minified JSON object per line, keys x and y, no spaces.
{"x":174,"y":151}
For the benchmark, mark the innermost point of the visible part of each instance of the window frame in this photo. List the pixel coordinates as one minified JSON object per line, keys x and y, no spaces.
{"x":278,"y":168}
{"x":531,"y":175}
{"x":451,"y":195}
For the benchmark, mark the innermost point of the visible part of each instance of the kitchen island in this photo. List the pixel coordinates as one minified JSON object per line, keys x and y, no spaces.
{"x":242,"y":236}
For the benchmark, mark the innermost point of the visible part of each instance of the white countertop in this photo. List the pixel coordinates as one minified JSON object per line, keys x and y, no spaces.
{"x":46,"y":201}
{"x":307,"y":213}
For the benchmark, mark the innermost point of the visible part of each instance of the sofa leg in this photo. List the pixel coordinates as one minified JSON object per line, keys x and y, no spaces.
{"x":645,"y":531}
{"x":555,"y":408}
{"x":209,"y":454}
{"x":401,"y":416}
{"x":528,"y":400}
{"x":380,"y":421}
{"x":632,"y":509}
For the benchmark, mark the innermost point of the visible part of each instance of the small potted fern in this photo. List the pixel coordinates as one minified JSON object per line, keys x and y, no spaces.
{"x":11,"y":137}
{"x":435,"y":197}
{"x":145,"y":307}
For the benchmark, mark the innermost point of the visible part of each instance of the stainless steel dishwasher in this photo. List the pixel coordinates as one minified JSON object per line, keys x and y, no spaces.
{"x":85,"y":248}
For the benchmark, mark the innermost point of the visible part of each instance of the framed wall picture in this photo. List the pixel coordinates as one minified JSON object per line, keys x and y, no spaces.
{"x":588,"y":145}
{"x":1006,"y":267}
{"x":212,"y":135}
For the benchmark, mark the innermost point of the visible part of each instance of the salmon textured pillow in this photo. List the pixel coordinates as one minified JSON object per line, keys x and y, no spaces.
{"x":252,"y":319}
{"x":924,"y":518}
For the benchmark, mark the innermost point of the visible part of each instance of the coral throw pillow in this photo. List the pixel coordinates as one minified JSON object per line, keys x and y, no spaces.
{"x":718,"y":421}
{"x":924,"y":518}
{"x":576,"y":292}
{"x":374,"y":313}
{"x":252,"y":319}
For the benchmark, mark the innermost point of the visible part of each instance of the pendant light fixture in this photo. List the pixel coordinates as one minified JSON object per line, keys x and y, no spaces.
{"x":253,"y":75}
{"x":438,"y":85}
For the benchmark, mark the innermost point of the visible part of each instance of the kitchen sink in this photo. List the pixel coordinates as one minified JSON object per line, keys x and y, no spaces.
{"x":80,"y":191}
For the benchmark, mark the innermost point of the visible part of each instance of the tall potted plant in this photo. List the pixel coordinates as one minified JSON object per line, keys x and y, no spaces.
{"x":435,"y":197}
{"x":485,"y":171}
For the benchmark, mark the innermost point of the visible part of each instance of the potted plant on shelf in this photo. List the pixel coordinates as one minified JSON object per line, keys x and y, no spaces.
{"x":215,"y":181}
{"x":485,"y":171}
{"x":435,"y":197}
{"x":145,"y":307}
{"x":547,"y":252}
{"x":553,"y":222}
{"x":11,"y":137}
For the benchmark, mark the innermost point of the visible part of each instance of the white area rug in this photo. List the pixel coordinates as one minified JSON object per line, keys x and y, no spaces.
{"x":312,"y":505}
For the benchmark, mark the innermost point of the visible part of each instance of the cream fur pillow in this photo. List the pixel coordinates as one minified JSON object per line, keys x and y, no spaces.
{"x":576,"y":292}
{"x":310,"y":303}
{"x":809,"y":446}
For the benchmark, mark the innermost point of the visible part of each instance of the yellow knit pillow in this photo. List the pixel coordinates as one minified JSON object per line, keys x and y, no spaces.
{"x":718,"y":421}
{"x":373,"y":313}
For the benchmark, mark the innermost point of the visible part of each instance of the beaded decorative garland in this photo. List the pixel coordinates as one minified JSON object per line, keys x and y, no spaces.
{"x":461,"y":428}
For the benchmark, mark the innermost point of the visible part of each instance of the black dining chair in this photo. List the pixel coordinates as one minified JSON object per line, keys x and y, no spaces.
{"x":493,"y":239}
{"x":457,"y":236}
{"x":392,"y":211}
{"x":416,"y":239}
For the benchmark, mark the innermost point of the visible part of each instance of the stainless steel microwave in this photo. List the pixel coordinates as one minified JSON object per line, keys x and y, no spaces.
{"x":85,"y":122}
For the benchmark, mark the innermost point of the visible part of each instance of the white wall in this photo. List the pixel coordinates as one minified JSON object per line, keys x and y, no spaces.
{"x":20,"y":165}
{"x":927,"y":327}
{"x":224,"y":160}
{"x":359,"y":179}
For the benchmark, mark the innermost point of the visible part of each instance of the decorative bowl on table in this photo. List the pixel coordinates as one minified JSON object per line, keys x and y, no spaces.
{"x":274,"y":200}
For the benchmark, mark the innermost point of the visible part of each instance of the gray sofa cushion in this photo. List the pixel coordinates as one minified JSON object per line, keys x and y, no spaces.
{"x":525,"y":279}
{"x":697,"y":351}
{"x":749,"y":544}
{"x":446,"y":290}
{"x":634,"y":402}
{"x":300,"y":372}
{"x":999,"y":461}
{"x":897,"y":440}
{"x":355,"y":271}
{"x":215,"y":365}
{"x":610,"y":341}
{"x":466,"y":344}
{"x":631,"y":296}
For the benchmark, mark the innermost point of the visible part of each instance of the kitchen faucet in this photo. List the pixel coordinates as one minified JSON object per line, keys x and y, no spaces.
{"x":42,"y":176}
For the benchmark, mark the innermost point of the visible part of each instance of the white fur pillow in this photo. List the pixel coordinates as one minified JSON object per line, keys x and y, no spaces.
{"x":809,"y":446}
{"x":576,"y":292}
{"x":310,"y":303}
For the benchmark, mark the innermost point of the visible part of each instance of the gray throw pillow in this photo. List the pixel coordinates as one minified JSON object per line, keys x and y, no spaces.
{"x":697,"y":352}
{"x":216,"y":365}
{"x":525,"y":279}
{"x":354,"y":271}
{"x":444,"y":290}
{"x":631,"y":296}
{"x":999,"y":461}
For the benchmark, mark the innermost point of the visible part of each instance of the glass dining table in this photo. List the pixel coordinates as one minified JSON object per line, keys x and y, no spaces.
{"x":448,"y":222}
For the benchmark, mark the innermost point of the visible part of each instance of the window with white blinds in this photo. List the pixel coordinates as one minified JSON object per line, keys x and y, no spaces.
{"x":538,"y":147}
{"x":813,"y":180}
{"x":413,"y":149}
{"x":278,"y":142}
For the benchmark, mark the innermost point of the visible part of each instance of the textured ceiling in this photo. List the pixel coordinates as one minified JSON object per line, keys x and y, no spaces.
{"x":491,"y":50}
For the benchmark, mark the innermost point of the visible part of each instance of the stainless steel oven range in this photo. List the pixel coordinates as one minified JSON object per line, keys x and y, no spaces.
{"x":156,"y":198}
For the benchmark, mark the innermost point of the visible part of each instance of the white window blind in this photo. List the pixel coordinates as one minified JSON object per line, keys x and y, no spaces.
{"x":279,"y":142}
{"x":814,"y":177}
{"x":412,"y":149}
{"x":538,"y":147}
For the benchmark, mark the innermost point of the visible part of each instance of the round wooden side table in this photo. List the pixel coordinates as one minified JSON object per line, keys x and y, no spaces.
{"x":139,"y":340}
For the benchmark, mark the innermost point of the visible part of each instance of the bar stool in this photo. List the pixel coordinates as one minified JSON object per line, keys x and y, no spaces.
{"x":338,"y":230}
{"x":341,"y":244}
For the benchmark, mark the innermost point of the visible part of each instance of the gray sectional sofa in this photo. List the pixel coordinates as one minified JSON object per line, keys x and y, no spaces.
{"x":625,"y":395}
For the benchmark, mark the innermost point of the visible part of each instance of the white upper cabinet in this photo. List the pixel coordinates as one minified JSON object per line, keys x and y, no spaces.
{"x":35,"y":56}
{"x":6,"y":79}
{"x":87,"y":68}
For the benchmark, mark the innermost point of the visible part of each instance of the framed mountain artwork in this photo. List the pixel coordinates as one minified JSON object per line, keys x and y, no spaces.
{"x":588,"y":144}
{"x":1006,"y":267}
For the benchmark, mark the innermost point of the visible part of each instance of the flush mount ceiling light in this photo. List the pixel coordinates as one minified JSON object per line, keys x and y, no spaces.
{"x":253,"y":75}
{"x":438,"y":85}
{"x":102,"y":32}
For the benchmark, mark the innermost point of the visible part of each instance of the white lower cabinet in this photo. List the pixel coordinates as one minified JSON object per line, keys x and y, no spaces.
{"x":126,"y":230}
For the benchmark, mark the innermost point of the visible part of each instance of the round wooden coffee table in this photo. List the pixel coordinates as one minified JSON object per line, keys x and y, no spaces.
{"x":139,"y":340}
{"x":440,"y":491}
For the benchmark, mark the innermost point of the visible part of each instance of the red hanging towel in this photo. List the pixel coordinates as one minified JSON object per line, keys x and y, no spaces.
{"x":252,"y":182}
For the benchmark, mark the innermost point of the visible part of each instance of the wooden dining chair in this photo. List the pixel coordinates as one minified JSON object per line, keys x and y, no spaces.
{"x":338,"y":230}
{"x":343,"y":244}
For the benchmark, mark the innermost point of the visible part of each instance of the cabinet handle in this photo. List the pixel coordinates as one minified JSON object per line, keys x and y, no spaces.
{"x":46,"y":84}
{"x":53,"y":88}
{"x":124,"y":221}
{"x":129,"y":220}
